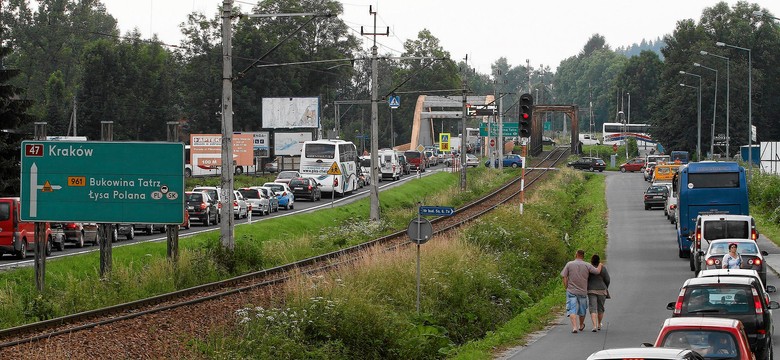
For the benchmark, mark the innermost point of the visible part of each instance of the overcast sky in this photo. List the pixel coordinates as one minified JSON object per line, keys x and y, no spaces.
{"x":543,"y":32}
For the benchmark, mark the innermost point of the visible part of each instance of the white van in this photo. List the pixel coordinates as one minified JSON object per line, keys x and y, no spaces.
{"x":389,"y":164}
{"x":589,"y":139}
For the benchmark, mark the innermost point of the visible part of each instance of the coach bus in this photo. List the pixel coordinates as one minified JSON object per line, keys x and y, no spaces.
{"x":617,"y":133}
{"x":679,"y":157}
{"x":707,"y":187}
{"x":318,"y":157}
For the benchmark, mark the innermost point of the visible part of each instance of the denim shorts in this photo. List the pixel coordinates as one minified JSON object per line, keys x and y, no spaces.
{"x":576,"y":304}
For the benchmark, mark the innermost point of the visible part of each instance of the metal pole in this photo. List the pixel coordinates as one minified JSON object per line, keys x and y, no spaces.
{"x":750,"y":105}
{"x":714,"y":106}
{"x":419,"y":236}
{"x":392,"y":132}
{"x":172,"y":231}
{"x":464,"y":115}
{"x":698,"y":143}
{"x":226,"y":225}
{"x":374,"y":193}
{"x":106,"y":231}
{"x":40,"y":230}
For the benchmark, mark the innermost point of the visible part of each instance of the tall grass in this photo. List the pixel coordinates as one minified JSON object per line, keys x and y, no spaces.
{"x":473,"y":285}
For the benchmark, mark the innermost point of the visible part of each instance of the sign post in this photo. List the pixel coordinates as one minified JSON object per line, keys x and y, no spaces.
{"x":335,"y":171}
{"x":420,"y":231}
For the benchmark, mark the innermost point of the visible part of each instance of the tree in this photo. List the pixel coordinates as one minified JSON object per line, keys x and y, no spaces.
{"x":14,"y":122}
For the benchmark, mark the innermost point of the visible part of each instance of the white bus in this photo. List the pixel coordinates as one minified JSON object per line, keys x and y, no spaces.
{"x":616,"y":133}
{"x":318,"y":156}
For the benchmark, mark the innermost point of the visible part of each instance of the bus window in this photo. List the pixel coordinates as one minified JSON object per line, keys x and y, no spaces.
{"x":713,"y":180}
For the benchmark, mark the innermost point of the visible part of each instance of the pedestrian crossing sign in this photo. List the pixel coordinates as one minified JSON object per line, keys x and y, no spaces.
{"x":394,"y":101}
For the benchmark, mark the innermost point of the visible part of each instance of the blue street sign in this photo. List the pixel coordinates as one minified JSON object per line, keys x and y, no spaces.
{"x":394,"y":101}
{"x":437,"y":210}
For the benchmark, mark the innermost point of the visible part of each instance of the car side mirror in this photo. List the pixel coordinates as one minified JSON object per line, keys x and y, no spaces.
{"x":670,"y":306}
{"x":771,"y":289}
{"x":774,"y":305}
{"x":764,"y":252}
{"x":647,"y":345}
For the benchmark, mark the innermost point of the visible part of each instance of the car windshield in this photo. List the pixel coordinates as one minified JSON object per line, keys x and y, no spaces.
{"x":744,"y":248}
{"x":249,"y":194}
{"x":718,"y":299}
{"x":211,"y":192}
{"x":712,"y":344}
{"x":295,"y":182}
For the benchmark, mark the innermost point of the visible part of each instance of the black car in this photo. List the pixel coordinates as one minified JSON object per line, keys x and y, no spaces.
{"x":588,"y":163}
{"x":655,"y":196}
{"x":306,"y":188}
{"x":740,"y":298}
{"x":202,"y":207}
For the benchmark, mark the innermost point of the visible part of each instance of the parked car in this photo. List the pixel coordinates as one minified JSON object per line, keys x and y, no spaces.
{"x":201,"y":207}
{"x":739,"y":273}
{"x":17,"y":237}
{"x":284,"y":177}
{"x":271,"y":167}
{"x":731,"y":297}
{"x":80,"y":233}
{"x":215,"y":193}
{"x":240,"y":206}
{"x":713,"y":338}
{"x":588,"y":163}
{"x":635,"y":164}
{"x":472,"y":160}
{"x":433,"y":160}
{"x":306,"y":188}
{"x":655,"y":196}
{"x":273,"y":198}
{"x":645,"y":353}
{"x":509,"y":160}
{"x":546,"y":140}
{"x":283,"y":193}
{"x":752,"y":256}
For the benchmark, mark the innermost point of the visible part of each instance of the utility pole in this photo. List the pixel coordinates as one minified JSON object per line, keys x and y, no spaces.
{"x":464,"y":116}
{"x":374,"y":119}
{"x":226,"y":226}
{"x":40,"y":230}
{"x":106,"y":231}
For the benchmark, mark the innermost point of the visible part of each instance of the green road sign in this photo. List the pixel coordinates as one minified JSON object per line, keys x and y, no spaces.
{"x":103,"y":182}
{"x":509,"y":129}
{"x":547,"y":125}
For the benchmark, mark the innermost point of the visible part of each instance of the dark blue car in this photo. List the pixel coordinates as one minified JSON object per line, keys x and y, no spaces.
{"x":511,"y":160}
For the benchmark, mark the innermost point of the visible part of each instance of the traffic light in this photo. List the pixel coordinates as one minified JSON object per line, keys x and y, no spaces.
{"x":526,"y":114}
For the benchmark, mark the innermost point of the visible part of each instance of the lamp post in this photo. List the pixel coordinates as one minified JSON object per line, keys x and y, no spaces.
{"x":750,"y":105}
{"x":714,"y":107}
{"x":728,"y":81}
{"x":628,"y":121}
{"x":698,"y":143}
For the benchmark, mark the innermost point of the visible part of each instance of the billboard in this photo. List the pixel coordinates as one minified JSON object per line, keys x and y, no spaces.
{"x":290,"y":144}
{"x":770,"y":157}
{"x":206,"y":150}
{"x":262,"y":144}
{"x":286,"y":113}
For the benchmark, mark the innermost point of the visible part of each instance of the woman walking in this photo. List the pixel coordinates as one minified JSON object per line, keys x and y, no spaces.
{"x":598,"y":285}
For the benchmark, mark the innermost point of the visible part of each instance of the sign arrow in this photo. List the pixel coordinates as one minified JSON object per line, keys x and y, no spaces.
{"x":33,"y":190}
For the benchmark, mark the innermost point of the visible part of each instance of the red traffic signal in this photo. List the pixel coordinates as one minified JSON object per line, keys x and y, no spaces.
{"x":526,"y":114}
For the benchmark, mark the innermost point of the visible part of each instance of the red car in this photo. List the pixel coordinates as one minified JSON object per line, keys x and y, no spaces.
{"x":714,"y":338}
{"x":633,"y":165}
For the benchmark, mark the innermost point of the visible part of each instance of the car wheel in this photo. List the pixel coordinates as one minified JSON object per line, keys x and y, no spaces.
{"x":48,"y":247}
{"x":80,"y":240}
{"x":647,"y":207}
{"x":514,"y":165}
{"x":187,"y":173}
{"x":291,"y":206}
{"x":208,"y":219}
{"x":622,"y":169}
{"x":131,"y":235}
{"x":22,"y":253}
{"x":680,"y":253}
{"x":590,"y":169}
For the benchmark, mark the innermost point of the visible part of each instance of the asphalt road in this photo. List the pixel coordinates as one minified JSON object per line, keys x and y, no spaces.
{"x":646,"y":274}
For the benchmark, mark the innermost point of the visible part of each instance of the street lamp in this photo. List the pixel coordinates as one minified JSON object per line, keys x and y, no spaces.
{"x":714,"y":106}
{"x":698,"y":143}
{"x":750,"y":105}
{"x":728,"y":81}
{"x":758,"y":13}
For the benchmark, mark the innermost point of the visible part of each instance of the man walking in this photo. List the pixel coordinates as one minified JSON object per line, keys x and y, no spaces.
{"x":575,"y":280}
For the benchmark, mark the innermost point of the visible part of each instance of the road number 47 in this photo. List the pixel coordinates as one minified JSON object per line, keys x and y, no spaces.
{"x":33,"y":150}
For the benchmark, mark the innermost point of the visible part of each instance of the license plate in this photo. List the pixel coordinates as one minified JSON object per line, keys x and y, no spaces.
{"x":190,"y":208}
{"x":298,"y":188}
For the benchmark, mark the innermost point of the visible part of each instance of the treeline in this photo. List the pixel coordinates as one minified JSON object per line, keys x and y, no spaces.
{"x":73,"y":64}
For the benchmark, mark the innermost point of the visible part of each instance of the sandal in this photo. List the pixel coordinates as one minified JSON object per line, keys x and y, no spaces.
{"x":582,"y":327}
{"x":574,"y":331}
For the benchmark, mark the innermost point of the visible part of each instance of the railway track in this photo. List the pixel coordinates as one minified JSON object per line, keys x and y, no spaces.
{"x":127,"y":318}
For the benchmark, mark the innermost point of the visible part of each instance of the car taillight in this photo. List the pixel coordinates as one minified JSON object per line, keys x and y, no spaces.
{"x":203,"y":206}
{"x":754,"y":262}
{"x":219,"y":205}
{"x":72,"y":226}
{"x":710,"y":261}
{"x":698,"y":234}
{"x":309,"y":187}
{"x":647,"y":197}
{"x":235,"y":203}
{"x":753,"y":234}
{"x":678,"y":304}
{"x":335,"y":181}
{"x":673,"y":206}
{"x":757,"y":302}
